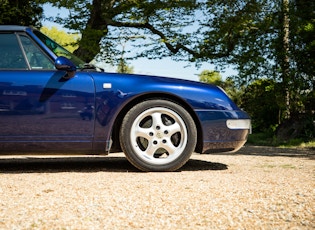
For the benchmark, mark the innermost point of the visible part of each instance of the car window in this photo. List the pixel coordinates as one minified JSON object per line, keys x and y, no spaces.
{"x":11,"y":55}
{"x":59,"y":50}
{"x":35,"y":56}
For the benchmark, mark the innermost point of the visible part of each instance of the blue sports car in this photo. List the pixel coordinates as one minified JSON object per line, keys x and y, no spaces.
{"x":52,"y":102}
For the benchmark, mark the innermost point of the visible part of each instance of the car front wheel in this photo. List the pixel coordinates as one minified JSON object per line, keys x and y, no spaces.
{"x":158,"y":135}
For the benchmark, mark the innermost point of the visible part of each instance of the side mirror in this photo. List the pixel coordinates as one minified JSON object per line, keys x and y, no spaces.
{"x":63,"y":63}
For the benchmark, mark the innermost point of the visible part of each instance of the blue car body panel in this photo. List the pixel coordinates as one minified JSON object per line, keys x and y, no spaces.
{"x":208,"y":104}
{"x":37,"y":106}
{"x":41,"y":110}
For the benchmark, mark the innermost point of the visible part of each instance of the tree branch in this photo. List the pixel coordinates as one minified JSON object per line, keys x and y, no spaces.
{"x":174,"y":49}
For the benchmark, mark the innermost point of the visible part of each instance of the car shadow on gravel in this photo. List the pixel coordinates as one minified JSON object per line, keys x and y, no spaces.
{"x":58,"y":164}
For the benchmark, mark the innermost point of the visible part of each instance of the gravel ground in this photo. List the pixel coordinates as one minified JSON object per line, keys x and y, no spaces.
{"x":256,"y":188}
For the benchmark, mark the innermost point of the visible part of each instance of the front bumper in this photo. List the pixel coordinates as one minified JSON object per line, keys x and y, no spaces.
{"x":224,"y":131}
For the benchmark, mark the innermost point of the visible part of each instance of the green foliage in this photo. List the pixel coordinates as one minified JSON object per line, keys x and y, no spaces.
{"x":229,"y":86}
{"x":260,"y":101}
{"x":123,"y":67}
{"x":68,"y":41}
{"x":262,"y":138}
{"x":20,"y":12}
{"x":250,"y":35}
{"x":99,"y":21}
{"x":302,"y":37}
{"x":211,"y":77}
{"x":309,"y":144}
{"x":246,"y":34}
{"x":299,"y":127}
{"x":269,"y":139}
{"x":276,"y":72}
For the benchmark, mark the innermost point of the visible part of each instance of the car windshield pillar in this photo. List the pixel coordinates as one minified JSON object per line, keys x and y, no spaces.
{"x":58,"y":50}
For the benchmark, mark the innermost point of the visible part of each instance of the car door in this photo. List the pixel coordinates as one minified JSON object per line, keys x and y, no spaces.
{"x":40,"y":109}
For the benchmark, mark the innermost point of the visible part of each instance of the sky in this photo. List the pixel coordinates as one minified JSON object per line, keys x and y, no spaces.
{"x":165,"y":67}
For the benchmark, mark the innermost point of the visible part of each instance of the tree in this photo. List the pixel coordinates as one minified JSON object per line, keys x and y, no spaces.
{"x":211,"y":77}
{"x":245,"y":33}
{"x":229,"y":86}
{"x":162,"y":22}
{"x":20,"y":12}
{"x":302,"y":37}
{"x":302,"y":47}
{"x":263,"y":39}
{"x":123,"y":67}
{"x":260,"y":101}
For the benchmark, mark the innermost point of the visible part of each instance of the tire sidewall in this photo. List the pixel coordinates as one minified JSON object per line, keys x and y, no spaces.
{"x":126,"y":142}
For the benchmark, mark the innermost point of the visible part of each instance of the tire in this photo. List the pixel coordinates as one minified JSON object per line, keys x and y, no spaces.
{"x":158,"y":135}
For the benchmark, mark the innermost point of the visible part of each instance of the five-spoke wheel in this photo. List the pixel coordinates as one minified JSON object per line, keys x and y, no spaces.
{"x":158,"y":135}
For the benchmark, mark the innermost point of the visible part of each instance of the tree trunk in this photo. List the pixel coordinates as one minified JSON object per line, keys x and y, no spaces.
{"x":286,"y":58}
{"x":96,"y":28}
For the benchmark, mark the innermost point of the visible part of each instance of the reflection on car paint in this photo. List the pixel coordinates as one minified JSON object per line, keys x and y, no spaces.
{"x":46,"y":105}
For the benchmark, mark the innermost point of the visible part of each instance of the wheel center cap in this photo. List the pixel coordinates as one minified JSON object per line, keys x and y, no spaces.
{"x":159,"y":135}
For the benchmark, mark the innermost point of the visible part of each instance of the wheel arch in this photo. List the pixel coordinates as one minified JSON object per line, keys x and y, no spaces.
{"x":118,"y":121}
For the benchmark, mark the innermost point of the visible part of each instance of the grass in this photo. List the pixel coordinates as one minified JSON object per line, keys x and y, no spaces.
{"x":269,"y":139}
{"x":288,"y":166}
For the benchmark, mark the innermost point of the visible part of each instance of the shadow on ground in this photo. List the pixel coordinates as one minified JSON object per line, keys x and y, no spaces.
{"x":276,"y":151}
{"x":38,"y":164}
{"x":87,"y":164}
